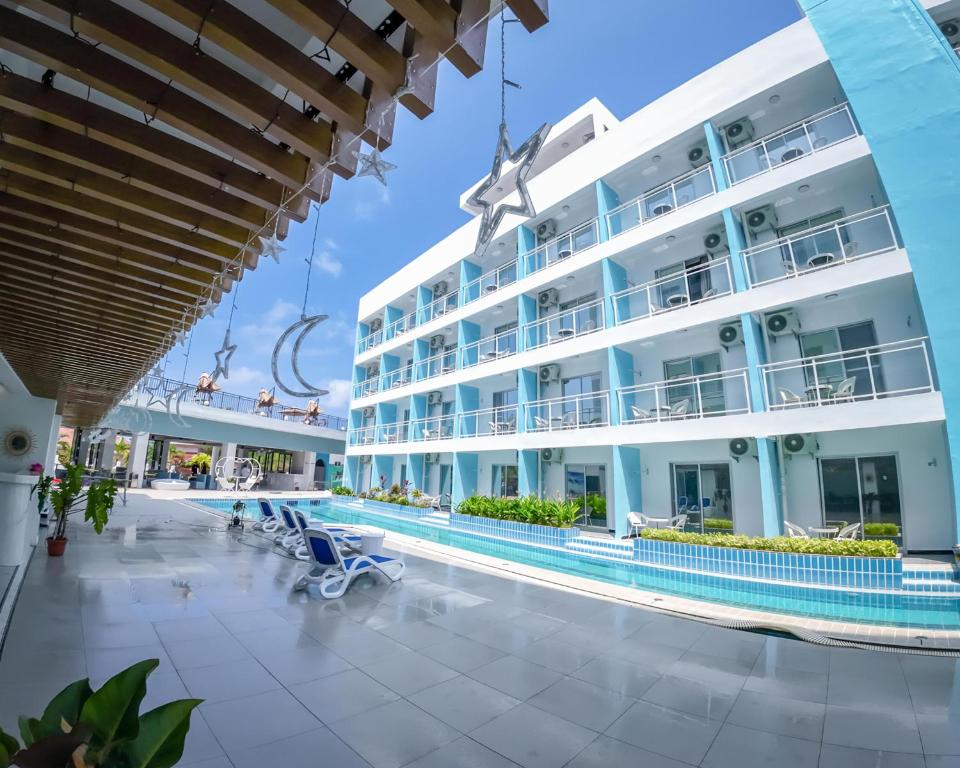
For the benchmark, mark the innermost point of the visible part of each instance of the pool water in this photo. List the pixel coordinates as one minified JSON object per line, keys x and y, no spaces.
{"x":891,"y":609}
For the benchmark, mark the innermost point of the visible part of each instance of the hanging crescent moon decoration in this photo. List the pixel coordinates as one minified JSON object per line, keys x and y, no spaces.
{"x":304,"y":325}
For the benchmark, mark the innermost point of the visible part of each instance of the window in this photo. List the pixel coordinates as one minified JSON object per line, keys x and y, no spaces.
{"x":806,"y":248}
{"x":865,"y":490}
{"x":824,"y":377}
{"x":702,"y":493}
{"x":692,"y":283}
{"x":505,"y":410}
{"x":587,"y":485}
{"x":506,"y":344}
{"x":701,"y":396}
{"x":504,"y":480}
{"x":579,"y":410}
{"x":277,"y":462}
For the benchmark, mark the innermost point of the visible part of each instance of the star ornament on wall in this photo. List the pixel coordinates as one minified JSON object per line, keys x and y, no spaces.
{"x":524,"y":157}
{"x":223,"y":356}
{"x":374,"y":165}
{"x":271,"y":247}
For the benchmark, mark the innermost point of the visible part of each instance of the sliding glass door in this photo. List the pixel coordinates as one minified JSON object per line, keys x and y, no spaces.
{"x":868,"y":375}
{"x":706,"y":395}
{"x":702,"y":492}
{"x":505,"y":481}
{"x":865,"y":490}
{"x":587,"y":485}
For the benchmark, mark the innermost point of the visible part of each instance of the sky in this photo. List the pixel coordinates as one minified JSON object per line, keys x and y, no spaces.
{"x":624,"y":52}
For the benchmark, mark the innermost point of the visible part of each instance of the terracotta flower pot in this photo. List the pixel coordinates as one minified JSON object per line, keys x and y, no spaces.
{"x":56,"y":547}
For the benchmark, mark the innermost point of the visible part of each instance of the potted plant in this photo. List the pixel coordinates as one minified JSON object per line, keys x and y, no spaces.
{"x":103,"y":728}
{"x":69,"y":496}
{"x":42,"y":489}
{"x":200,"y":465}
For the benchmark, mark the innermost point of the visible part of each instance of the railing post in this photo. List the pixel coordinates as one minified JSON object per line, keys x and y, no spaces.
{"x":873,"y":381}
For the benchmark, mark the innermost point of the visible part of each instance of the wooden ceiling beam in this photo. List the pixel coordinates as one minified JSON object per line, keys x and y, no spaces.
{"x":108,"y":213}
{"x":31,"y":329}
{"x":77,"y":151}
{"x":72,"y":113}
{"x":79,"y":309}
{"x":156,"y":98}
{"x":257,"y":45}
{"x":533,"y":14}
{"x":69,"y":224}
{"x":462,"y":35}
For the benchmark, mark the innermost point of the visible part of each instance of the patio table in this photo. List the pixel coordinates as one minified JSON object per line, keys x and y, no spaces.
{"x":658,"y":522}
{"x":823,"y":533}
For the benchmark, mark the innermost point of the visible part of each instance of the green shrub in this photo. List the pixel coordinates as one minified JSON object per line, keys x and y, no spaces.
{"x":527,"y":509}
{"x":719,"y":523}
{"x":778,"y":543}
{"x":342,"y":490}
{"x":881,"y":529}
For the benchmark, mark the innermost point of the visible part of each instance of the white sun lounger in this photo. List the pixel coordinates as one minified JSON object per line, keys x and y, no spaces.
{"x":333,"y":572}
{"x":269,"y":521}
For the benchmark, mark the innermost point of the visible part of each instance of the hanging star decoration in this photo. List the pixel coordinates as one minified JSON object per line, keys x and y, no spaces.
{"x":271,"y":247}
{"x":373,"y":164}
{"x":223,"y":356}
{"x":524,"y":156}
{"x":179,"y":338}
{"x":207,"y":308}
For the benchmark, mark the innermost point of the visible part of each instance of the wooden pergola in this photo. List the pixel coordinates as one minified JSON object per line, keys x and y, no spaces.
{"x":144,"y":144}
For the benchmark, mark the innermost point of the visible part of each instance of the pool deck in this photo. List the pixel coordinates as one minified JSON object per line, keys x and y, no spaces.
{"x":462,"y":663}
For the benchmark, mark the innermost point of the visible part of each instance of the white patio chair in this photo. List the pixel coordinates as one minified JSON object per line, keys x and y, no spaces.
{"x":569,"y":420}
{"x":679,"y":409}
{"x":637,"y":522}
{"x":333,"y":572}
{"x":850,"y":249}
{"x":789,"y":398}
{"x":848,"y":532}
{"x":541,"y":423}
{"x":794,"y":531}
{"x":640,"y":415}
{"x":678,"y":522}
{"x":844,"y":390}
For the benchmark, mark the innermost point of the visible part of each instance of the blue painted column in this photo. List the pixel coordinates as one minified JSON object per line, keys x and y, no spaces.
{"x":351,"y":472}
{"x":468,"y":273}
{"x":621,"y":374}
{"x":528,"y":391}
{"x":906,"y":98}
{"x":421,"y":351}
{"x":466,"y":473}
{"x":415,"y":474}
{"x":526,"y":314}
{"x":418,"y":410}
{"x":467,"y":399}
{"x":359,"y":375}
{"x":424,"y":300}
{"x":526,"y":242}
{"x":391,"y":315}
{"x":614,"y":280}
{"x":388,"y":364}
{"x":607,"y":200}
{"x":386,"y":415}
{"x":528,"y":473}
{"x":363,"y":330}
{"x":467,"y":333}
{"x":627,"y":496}
{"x":767,"y":456}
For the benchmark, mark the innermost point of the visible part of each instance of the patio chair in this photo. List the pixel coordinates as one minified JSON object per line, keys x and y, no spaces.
{"x":251,"y":482}
{"x":288,"y":537}
{"x":541,"y":423}
{"x":569,"y":420}
{"x":848,"y":532}
{"x":637,"y":522}
{"x":640,"y":415}
{"x":344,"y":537}
{"x":269,"y":521}
{"x":788,"y":398}
{"x":794,"y":531}
{"x":844,"y":391}
{"x":679,"y":409}
{"x":333,"y":572}
{"x":850,"y":249}
{"x":432,"y":501}
{"x":678,"y":522}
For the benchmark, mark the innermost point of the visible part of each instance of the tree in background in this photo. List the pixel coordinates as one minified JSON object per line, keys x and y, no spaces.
{"x":176,"y":457}
{"x":202,"y":462}
{"x":121,"y":452}
{"x":63,"y":452}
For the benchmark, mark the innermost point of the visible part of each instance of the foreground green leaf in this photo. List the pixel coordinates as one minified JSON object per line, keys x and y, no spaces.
{"x":112,"y":712}
{"x":52,"y":751}
{"x":159,"y":744}
{"x":66,"y":706}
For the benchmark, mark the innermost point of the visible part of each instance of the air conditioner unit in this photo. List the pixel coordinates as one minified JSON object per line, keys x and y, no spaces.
{"x":551,"y":455}
{"x":730,"y":333}
{"x":699,"y":154}
{"x":743,"y":446}
{"x":548,"y":298}
{"x":376,"y":324}
{"x":368,"y":412}
{"x":431,"y":458}
{"x":437,"y":341}
{"x":738,"y":132}
{"x":434,"y":398}
{"x":440,"y":289}
{"x":782,"y":323}
{"x":546,"y":230}
{"x":364,"y":459}
{"x":799,"y":444}
{"x":549,"y":373}
{"x":716,"y":241}
{"x":761,"y":219}
{"x":951,"y":29}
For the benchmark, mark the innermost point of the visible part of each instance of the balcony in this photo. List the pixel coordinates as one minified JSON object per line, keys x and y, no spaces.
{"x":869,"y":373}
{"x":665,"y":294}
{"x":791,"y":143}
{"x":395,"y":379}
{"x":366,"y":387}
{"x":438,"y":307}
{"x":663,"y":200}
{"x":362,"y":436}
{"x":563,"y":247}
{"x":371,"y":340}
{"x":842,"y":241}
{"x":488,"y":349}
{"x":399,"y":327}
{"x":501,"y":420}
{"x":433,"y":428}
{"x":489,"y":282}
{"x":724,"y":393}
{"x":435,"y":365}
{"x":566,"y":324}
{"x":591,"y":409}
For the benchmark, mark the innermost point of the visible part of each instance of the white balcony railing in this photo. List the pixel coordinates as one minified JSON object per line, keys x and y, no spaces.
{"x":723,"y":393}
{"x":665,"y":199}
{"x":435,"y":365}
{"x":399,"y":327}
{"x":391,"y":433}
{"x":869,"y":373}
{"x":562,"y":247}
{"x":501,"y":420}
{"x":362,"y":435}
{"x":565,"y":324}
{"x":366,"y":387}
{"x":433,"y":427}
{"x":490,"y":348}
{"x":438,"y":307}
{"x":591,"y":409}
{"x":791,"y":143}
{"x":665,"y":294}
{"x":853,"y":237}
{"x":369,"y":341}
{"x":395,"y":379}
{"x":489,"y":282}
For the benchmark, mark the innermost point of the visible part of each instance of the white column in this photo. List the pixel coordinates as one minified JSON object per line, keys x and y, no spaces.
{"x":109,"y":449}
{"x":137,"y":463}
{"x":309,"y":460}
{"x":50,"y":459}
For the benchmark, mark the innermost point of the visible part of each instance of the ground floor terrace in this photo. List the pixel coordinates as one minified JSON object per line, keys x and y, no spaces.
{"x":464,"y":662}
{"x":893,"y":480}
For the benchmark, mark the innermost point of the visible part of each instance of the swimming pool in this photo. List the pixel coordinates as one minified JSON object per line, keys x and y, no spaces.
{"x":887,"y":608}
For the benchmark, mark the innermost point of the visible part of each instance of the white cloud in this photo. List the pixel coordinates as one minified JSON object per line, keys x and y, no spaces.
{"x":242,"y":375}
{"x":325,"y":261}
{"x":363,"y":210}
{"x":339,"y":397}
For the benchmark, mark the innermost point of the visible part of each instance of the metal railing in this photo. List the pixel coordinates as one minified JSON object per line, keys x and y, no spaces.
{"x":791,"y":143}
{"x":665,"y":294}
{"x":489,"y":421}
{"x":724,"y":393}
{"x":435,"y":365}
{"x":565,"y":324}
{"x":489,"y":282}
{"x":362,"y":435}
{"x":562,"y":247}
{"x":366,"y":387}
{"x":371,"y":340}
{"x":847,"y":239}
{"x":161,"y":387}
{"x":401,"y":326}
{"x":433,"y":427}
{"x":582,"y":411}
{"x":439,"y":307}
{"x":391,"y":433}
{"x":490,"y":348}
{"x":665,"y":199}
{"x":869,"y":373}
{"x":395,"y":379}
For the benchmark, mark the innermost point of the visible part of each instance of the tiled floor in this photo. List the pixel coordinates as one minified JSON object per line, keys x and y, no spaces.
{"x":450,"y":668}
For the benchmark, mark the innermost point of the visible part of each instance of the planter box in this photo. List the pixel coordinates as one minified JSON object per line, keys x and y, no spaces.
{"x":821,"y":570}
{"x":508,"y":529}
{"x":393,"y":509}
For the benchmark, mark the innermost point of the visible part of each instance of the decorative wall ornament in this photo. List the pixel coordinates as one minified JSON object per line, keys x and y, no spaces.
{"x":207,"y":309}
{"x":223,"y":356}
{"x":19,"y":442}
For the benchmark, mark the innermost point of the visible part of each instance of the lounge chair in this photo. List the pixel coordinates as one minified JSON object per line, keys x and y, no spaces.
{"x":269,"y":521}
{"x":640,"y":415}
{"x":788,"y":398}
{"x":333,"y":572}
{"x":637,"y":522}
{"x":344,"y":537}
{"x":541,"y":423}
{"x":289,"y":536}
{"x":794,"y":531}
{"x":848,"y":532}
{"x":679,"y":409}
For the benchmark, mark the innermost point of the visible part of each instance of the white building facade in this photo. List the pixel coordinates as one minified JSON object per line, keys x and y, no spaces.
{"x":714,"y":311}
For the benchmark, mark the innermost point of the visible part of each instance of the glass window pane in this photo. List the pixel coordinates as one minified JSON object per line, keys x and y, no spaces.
{"x":841,"y":492}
